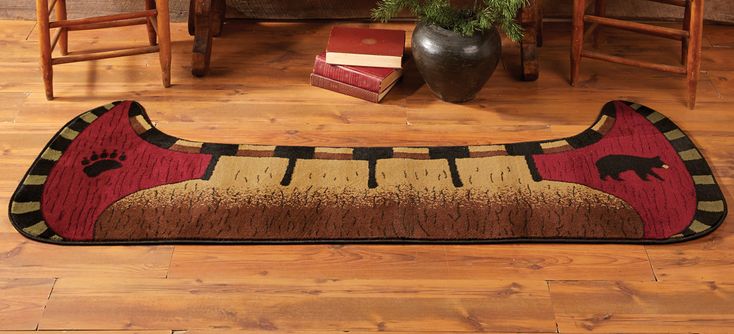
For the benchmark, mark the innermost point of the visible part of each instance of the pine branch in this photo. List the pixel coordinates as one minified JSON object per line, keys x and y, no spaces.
{"x":484,"y":15}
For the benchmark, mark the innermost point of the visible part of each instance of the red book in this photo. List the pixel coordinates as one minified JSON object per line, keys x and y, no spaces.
{"x":340,"y":87}
{"x":375,"y":79}
{"x":365,"y":47}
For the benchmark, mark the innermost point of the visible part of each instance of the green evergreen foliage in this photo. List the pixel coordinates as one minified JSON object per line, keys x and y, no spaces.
{"x":481,"y":16}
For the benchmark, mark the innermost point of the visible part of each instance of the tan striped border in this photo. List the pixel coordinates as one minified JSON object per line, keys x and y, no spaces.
{"x":333,"y":153}
{"x":420,"y":153}
{"x":259,"y":151}
{"x":689,"y":155}
{"x":139,"y":124}
{"x":483,"y":151}
{"x":182,"y":145}
{"x":556,"y":146}
{"x":604,"y":124}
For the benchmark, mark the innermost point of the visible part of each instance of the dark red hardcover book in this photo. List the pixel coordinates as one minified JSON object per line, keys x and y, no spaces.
{"x":375,"y":79}
{"x":340,"y":87}
{"x":365,"y":47}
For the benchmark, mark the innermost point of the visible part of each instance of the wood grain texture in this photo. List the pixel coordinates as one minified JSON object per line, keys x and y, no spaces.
{"x":23,"y":301}
{"x":100,"y":332}
{"x":26,"y":258}
{"x":260,"y":95}
{"x":437,"y":262}
{"x":267,"y":304}
{"x":643,"y":307}
{"x":306,"y":331}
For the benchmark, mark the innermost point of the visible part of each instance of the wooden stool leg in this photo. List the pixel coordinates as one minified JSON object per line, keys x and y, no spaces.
{"x":218,"y":9}
{"x":686,"y":27}
{"x":693,"y":58}
{"x":152,"y":38}
{"x":64,"y":36}
{"x":164,"y":40}
{"x":577,"y":38}
{"x":202,"y":37}
{"x":191,"y":22}
{"x":600,"y":9}
{"x":539,"y":24}
{"x":529,"y":43}
{"x":44,"y":39}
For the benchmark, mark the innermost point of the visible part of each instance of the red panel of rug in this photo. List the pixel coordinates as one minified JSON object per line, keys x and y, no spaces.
{"x":71,"y":197}
{"x":666,"y":207}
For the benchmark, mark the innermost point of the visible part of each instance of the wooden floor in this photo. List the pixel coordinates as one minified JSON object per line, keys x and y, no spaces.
{"x":258,"y":93}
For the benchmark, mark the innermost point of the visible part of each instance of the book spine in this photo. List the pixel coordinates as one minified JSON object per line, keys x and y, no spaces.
{"x":346,"y":75}
{"x":340,"y":87}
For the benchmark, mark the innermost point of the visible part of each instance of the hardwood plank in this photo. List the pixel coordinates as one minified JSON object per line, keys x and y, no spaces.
{"x":26,"y":258}
{"x":98,"y":332}
{"x":724,"y":83}
{"x":246,"y":331}
{"x":643,"y":307}
{"x":23,"y":301}
{"x":719,"y":36}
{"x":269,"y":304}
{"x":717,"y":61}
{"x":710,"y":258}
{"x":11,"y":105}
{"x":551,"y":261}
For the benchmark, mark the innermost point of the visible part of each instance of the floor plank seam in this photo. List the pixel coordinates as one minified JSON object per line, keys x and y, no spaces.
{"x":547,"y":284}
{"x":170,"y":262}
{"x":31,"y":31}
{"x":652,"y":268}
{"x":713,"y":84}
{"x":38,"y":324}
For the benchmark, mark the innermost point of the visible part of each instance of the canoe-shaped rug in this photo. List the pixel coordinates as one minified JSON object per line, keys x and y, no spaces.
{"x":109,"y":176}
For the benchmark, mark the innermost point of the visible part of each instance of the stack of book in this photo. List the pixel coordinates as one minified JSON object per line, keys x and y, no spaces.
{"x":360,"y":62}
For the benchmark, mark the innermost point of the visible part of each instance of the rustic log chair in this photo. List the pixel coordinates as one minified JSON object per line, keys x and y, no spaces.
{"x":690,"y":36}
{"x":155,"y":17}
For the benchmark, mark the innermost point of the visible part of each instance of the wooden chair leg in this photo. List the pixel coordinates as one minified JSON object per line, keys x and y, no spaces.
{"x":693,"y":57}
{"x":539,"y":24}
{"x":577,"y":38}
{"x":529,"y":43}
{"x":191,"y":21}
{"x":218,"y":9}
{"x":686,"y":27}
{"x":164,"y":40}
{"x":600,"y":9}
{"x":64,"y":35}
{"x":202,"y":37}
{"x":152,"y":38}
{"x":44,"y":39}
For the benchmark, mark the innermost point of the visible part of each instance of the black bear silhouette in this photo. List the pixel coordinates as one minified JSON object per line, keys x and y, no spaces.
{"x":97,"y":164}
{"x":613,"y":165}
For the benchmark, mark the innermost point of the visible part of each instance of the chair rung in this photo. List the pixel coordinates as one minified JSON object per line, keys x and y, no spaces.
{"x":154,"y":23}
{"x":638,"y":27}
{"x":51,"y":7}
{"x":638,"y":63}
{"x":105,"y":54}
{"x":102,"y":25}
{"x":55,"y":39}
{"x":102,"y":19}
{"x":679,"y":3}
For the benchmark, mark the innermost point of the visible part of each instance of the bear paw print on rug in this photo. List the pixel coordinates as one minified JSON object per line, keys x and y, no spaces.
{"x":98,"y":164}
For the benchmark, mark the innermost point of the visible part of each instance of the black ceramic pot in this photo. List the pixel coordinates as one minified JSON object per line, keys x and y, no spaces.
{"x":454,"y":66}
